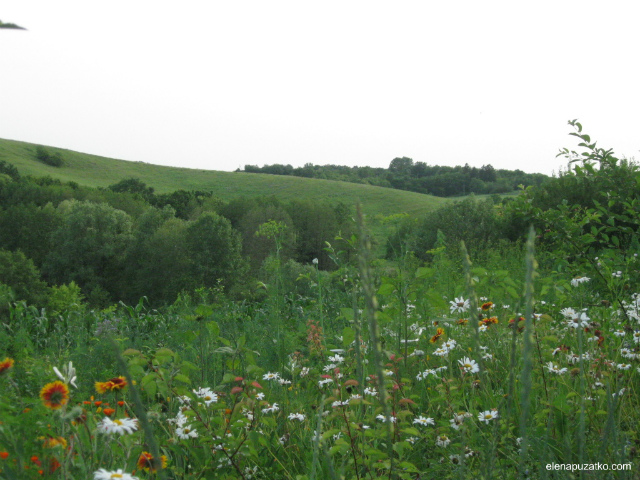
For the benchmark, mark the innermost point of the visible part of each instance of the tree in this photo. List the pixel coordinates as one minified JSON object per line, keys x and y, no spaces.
{"x":135,"y":186}
{"x":215,"y":250}
{"x":89,"y":246}
{"x":258,"y":248}
{"x":18,"y":272}
{"x":401,"y":165}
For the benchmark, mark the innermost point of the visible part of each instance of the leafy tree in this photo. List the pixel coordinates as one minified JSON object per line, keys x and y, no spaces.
{"x":471,"y":220}
{"x":164,"y":267}
{"x":259,"y":247}
{"x":23,"y":277}
{"x":89,"y":246}
{"x":7,"y":168}
{"x":29,"y":228}
{"x":134,"y":186}
{"x":215,"y":250}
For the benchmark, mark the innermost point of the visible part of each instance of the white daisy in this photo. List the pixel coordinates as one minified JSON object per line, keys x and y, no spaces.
{"x":459,"y":305}
{"x":119,"y":426}
{"x":424,"y":421}
{"x":488,"y":415}
{"x":186,"y":432}
{"x":103,"y":474}
{"x":296,"y":416}
{"x":207,"y":395}
{"x":468,"y":365}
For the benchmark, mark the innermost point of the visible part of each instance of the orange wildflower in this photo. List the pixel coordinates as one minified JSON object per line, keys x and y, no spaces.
{"x":4,"y":455}
{"x":145,"y":462}
{"x":6,"y":364}
{"x":439,"y":333}
{"x":54,"y":395}
{"x":116,"y":383}
{"x":109,"y":411}
{"x":54,"y":442}
{"x":487,"y":306}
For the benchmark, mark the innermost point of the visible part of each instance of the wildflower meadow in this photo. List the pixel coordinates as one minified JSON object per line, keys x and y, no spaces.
{"x":522,"y":362}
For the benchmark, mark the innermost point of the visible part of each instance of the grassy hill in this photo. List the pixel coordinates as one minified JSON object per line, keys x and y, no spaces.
{"x":95,"y":171}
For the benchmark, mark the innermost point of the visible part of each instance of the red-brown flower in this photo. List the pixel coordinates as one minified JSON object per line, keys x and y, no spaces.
{"x":54,"y":395}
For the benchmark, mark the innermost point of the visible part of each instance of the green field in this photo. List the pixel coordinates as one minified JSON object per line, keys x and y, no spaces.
{"x":95,"y":171}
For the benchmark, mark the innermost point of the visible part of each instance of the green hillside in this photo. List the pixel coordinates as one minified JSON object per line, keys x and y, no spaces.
{"x":96,"y":171}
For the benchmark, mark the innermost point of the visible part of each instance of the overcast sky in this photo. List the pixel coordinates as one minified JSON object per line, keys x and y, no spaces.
{"x":217,"y":85}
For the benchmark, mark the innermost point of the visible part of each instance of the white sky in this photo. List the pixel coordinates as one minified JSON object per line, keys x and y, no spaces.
{"x":220,"y":84}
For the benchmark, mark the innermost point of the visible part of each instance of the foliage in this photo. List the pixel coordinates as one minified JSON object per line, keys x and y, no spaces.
{"x":88,"y":247}
{"x":404,"y":174}
{"x":20,"y":274}
{"x":588,"y":218}
{"x":53,"y":159}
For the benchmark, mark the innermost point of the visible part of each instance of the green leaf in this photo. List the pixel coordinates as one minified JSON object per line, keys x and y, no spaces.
{"x":214,"y":329}
{"x":348,"y":336}
{"x":423,"y":272}
{"x":181,"y":377}
{"x":386,"y":289}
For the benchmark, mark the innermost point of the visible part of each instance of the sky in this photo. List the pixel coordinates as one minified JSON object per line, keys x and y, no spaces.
{"x":221,"y":84}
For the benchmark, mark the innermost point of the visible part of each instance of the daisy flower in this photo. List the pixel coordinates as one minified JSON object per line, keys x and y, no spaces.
{"x":54,"y":395}
{"x":488,"y":415}
{"x":459,"y":305}
{"x":119,"y":426}
{"x":442,"y":441}
{"x":271,"y":376}
{"x":578,"y":280}
{"x":553,"y":368}
{"x":383,"y":419}
{"x":186,"y":432}
{"x":296,"y":416}
{"x":468,"y":365}
{"x":424,"y":421}
{"x":579,"y":321}
{"x":103,"y":474}
{"x":207,"y":395}
{"x":273,"y":408}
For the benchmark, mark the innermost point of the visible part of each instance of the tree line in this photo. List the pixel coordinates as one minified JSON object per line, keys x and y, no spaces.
{"x":405,"y":174}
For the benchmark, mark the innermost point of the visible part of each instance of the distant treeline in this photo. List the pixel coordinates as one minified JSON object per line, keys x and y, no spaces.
{"x":405,"y":174}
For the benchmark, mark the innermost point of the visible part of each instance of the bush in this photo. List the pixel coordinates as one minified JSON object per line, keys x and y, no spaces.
{"x":53,"y":159}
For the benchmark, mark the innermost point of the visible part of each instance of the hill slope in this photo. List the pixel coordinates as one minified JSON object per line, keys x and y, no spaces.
{"x":95,"y":171}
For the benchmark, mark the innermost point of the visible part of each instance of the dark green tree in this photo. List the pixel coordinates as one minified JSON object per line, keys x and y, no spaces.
{"x":89,"y":246}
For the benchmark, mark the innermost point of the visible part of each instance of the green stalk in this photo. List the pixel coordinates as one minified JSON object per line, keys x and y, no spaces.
{"x":527,"y":350}
{"x":370,"y":312}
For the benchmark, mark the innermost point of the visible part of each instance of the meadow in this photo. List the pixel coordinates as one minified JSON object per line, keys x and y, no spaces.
{"x":486,"y":358}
